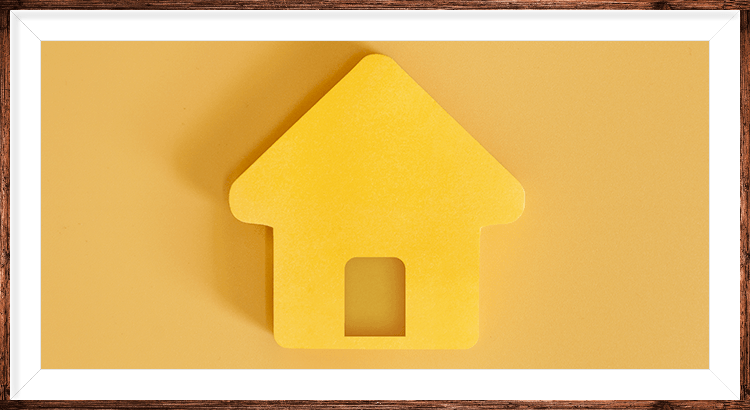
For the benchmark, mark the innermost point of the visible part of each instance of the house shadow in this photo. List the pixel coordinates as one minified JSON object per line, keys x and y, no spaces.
{"x":266,"y":101}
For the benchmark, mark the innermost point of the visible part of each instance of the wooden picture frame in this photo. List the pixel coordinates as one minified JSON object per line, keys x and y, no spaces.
{"x":6,"y":6}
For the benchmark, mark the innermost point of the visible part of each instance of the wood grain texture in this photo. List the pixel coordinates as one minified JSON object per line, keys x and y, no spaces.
{"x":379,"y":405}
{"x":745,"y":184}
{"x":6,"y":6}
{"x":376,"y":4}
{"x":5,"y":206}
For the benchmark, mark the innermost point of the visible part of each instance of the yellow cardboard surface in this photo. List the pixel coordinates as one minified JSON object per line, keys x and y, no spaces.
{"x":376,"y":169}
{"x":144,"y":265}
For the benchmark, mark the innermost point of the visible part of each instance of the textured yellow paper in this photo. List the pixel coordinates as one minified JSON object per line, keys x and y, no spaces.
{"x":145,"y":267}
{"x":376,"y":169}
{"x":375,"y":297}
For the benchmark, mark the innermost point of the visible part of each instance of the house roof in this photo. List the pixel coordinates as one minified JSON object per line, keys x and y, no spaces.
{"x":376,"y":147}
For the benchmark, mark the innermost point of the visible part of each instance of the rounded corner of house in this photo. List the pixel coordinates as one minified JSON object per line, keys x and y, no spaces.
{"x":470,"y":342}
{"x":282,"y":342}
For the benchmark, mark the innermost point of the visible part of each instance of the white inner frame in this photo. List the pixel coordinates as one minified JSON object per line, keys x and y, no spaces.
{"x":720,"y":28}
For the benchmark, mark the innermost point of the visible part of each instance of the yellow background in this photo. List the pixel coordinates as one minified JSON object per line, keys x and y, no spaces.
{"x":144,"y":266}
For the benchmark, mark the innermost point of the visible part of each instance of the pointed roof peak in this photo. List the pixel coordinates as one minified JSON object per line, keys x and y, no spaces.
{"x":376,"y":146}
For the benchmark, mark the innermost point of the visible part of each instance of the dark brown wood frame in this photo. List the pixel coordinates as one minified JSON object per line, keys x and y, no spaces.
{"x":7,"y":5}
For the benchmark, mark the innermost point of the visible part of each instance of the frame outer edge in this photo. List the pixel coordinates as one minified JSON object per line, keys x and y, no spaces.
{"x":374,"y":4}
{"x":745,"y":184}
{"x":5,"y":205}
{"x":744,"y":192}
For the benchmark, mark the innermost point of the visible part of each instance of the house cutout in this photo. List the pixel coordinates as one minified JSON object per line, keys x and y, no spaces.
{"x":376,"y":169}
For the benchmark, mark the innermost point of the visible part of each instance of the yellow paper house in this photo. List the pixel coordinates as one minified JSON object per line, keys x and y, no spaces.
{"x":379,"y":180}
